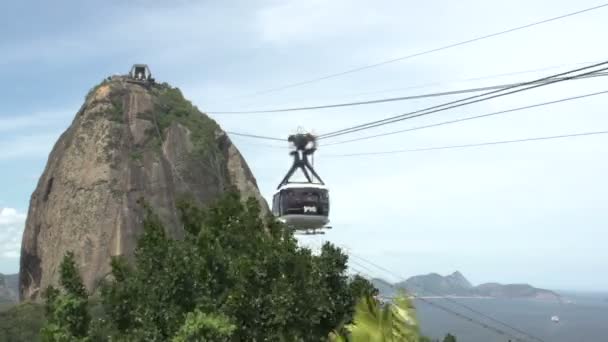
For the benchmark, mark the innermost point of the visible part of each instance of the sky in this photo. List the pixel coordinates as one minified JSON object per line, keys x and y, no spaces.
{"x":519,"y":213}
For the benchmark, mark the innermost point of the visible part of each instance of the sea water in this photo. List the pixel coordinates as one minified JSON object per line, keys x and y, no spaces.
{"x":585,"y":319}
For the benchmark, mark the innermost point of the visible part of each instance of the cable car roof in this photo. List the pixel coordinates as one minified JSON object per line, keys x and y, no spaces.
{"x":303,"y":185}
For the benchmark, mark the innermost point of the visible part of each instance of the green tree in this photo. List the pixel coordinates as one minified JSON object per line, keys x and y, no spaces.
{"x":22,"y":323}
{"x":361,"y":287}
{"x":378,"y":322}
{"x":449,"y":338}
{"x":202,"y":327}
{"x":233,"y":277}
{"x":67,"y":312}
{"x":231,"y":264}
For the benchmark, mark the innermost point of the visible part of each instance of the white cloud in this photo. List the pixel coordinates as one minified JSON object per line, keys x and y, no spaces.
{"x":12,"y":223}
{"x":9,"y":216}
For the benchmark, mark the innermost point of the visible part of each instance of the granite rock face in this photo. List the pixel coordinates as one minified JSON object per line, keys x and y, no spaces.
{"x":127,"y":142}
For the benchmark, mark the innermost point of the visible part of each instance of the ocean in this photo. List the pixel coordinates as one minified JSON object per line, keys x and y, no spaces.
{"x":585,"y":319}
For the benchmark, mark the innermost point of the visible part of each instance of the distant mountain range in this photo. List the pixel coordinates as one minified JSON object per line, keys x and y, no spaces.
{"x":9,"y":288}
{"x":456,"y":285}
{"x":428,"y":285}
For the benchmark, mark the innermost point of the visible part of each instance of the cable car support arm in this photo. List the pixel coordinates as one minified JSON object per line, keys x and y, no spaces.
{"x":300,"y":158}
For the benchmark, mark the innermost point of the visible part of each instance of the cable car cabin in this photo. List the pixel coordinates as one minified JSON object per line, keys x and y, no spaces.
{"x":302,"y":206}
{"x":140,"y":73}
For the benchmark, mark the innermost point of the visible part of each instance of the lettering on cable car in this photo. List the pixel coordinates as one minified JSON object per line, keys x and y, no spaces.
{"x":308,"y":209}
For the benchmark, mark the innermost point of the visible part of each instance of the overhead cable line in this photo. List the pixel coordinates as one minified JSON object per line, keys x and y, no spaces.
{"x":473,"y":310}
{"x":283,"y":147}
{"x":477,"y":78}
{"x":513,"y":73}
{"x":469,"y":145}
{"x":454,"y":104}
{"x":477,"y":312}
{"x":256,"y":136}
{"x":441,"y":307}
{"x":474,"y":99}
{"x":448,"y":310}
{"x":369,"y":66}
{"x":390,"y":99}
{"x":466,"y":119}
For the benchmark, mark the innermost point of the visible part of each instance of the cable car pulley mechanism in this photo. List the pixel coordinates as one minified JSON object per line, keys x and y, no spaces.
{"x":302,"y":206}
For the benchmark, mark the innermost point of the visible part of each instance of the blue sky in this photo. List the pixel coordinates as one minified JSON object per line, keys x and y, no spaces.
{"x":531,"y":212}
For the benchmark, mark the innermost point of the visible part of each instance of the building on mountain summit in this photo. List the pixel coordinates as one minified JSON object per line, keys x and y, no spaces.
{"x":140,"y":73}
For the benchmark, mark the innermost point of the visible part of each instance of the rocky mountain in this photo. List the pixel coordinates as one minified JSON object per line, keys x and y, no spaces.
{"x":384,"y":287}
{"x":129,"y":141}
{"x":456,"y":284}
{"x":8,"y":288}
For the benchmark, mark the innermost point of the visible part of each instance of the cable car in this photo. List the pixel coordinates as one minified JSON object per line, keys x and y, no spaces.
{"x":302,"y":206}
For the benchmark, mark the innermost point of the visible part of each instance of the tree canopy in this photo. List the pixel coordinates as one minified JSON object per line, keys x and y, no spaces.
{"x":234,"y":276}
{"x":375,"y":321}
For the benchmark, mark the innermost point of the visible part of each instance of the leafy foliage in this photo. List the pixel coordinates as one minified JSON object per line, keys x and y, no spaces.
{"x":4,"y":306}
{"x":449,"y":338}
{"x":377,"y":322}
{"x":70,"y":278}
{"x":95,"y":88}
{"x":234,"y":276}
{"x":22,"y":323}
{"x":67,"y":312}
{"x":361,"y":287}
{"x":116,"y":111}
{"x":203,"y":327}
{"x":171,"y":106}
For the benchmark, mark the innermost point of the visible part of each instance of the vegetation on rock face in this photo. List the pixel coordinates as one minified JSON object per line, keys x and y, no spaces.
{"x":95,"y":88}
{"x":233,"y":277}
{"x":170,"y":107}
{"x":116,"y":111}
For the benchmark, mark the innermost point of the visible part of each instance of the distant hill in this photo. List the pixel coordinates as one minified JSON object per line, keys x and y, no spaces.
{"x":8,"y":288}
{"x":386,"y":289}
{"x":456,"y":284}
{"x":515,"y":291}
{"x":21,"y":323}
